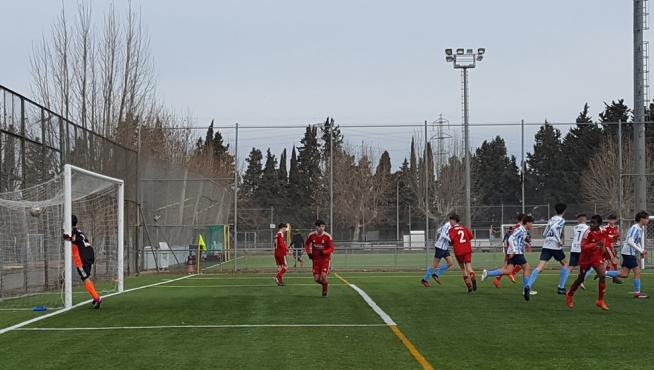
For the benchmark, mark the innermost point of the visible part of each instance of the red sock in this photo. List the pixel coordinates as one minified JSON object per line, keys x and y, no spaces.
{"x":325,"y":286}
{"x":280,"y":274}
{"x":88,"y":284}
{"x":472,"y":275}
{"x":516,"y":269}
{"x":615,"y":266}
{"x":499,"y":278}
{"x":602,"y":290}
{"x":467,"y":281}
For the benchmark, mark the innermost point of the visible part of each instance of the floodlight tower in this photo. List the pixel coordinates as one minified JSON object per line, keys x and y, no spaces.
{"x":464,"y":60}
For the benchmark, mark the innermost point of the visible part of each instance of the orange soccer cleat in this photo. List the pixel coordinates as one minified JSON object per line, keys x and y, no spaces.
{"x":569,"y":301}
{"x":601,"y":304}
{"x":512,"y":278}
{"x":496,"y":282}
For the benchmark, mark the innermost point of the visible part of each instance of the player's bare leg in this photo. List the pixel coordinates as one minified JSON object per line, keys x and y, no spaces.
{"x":573,"y":288}
{"x":466,"y":277}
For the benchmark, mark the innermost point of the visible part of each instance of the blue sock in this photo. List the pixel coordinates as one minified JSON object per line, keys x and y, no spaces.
{"x":430,"y":270}
{"x":636,"y":285}
{"x":613,"y":274}
{"x":563,"y":277}
{"x":590,"y":271}
{"x":496,"y":272}
{"x":525,"y":281}
{"x":442,"y":269}
{"x":533,"y":277}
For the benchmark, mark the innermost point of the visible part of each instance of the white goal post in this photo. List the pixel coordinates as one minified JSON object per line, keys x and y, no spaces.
{"x":67,"y":227}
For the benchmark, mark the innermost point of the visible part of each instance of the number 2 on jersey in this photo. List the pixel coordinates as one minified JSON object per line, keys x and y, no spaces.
{"x":462,"y":238}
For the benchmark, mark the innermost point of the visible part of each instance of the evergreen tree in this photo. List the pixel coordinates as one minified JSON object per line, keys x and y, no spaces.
{"x":331,"y":129}
{"x":617,"y":112}
{"x":546,"y":170}
{"x":579,"y":146}
{"x":252,"y":176}
{"x":310,"y":173}
{"x":282,"y":172}
{"x":267,"y":194}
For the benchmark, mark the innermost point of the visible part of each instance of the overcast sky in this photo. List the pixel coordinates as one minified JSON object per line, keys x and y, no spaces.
{"x":296,"y":62}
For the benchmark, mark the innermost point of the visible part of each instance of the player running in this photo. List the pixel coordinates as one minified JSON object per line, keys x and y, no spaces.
{"x":461,"y":238}
{"x":442,"y":251}
{"x":83,"y":259}
{"x":516,"y":269}
{"x":516,"y":252}
{"x":633,"y":245}
{"x":553,"y":248}
{"x":613,"y":235}
{"x":281,"y":250}
{"x":578,"y":233}
{"x":592,"y":249}
{"x":319,"y":247}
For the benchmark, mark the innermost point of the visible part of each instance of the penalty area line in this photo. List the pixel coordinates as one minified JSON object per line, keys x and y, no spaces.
{"x":391,"y":324}
{"x":24,"y":323}
{"x":225,"y":326}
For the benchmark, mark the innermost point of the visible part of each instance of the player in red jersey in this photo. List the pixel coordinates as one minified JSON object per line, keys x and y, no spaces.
{"x":281,"y":250}
{"x":613,"y":240}
{"x":592,"y":250}
{"x":516,"y":268}
{"x":461,"y":238}
{"x":319,"y":247}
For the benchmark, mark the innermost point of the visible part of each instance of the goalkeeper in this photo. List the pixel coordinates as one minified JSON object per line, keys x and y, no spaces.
{"x":83,"y":259}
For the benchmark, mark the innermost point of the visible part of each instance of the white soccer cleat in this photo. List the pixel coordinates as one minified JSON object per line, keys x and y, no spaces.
{"x":533,"y":292}
{"x":484,"y":275}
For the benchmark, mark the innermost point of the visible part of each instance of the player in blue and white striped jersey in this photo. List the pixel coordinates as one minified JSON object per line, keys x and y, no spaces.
{"x":575,"y":248}
{"x":633,"y":246}
{"x":516,"y":252}
{"x":553,"y":247}
{"x":443,"y":244}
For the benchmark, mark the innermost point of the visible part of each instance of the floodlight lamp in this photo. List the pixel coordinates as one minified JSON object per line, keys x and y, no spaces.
{"x":448,"y":52}
{"x":459,"y":51}
{"x":479,"y":58}
{"x":469,"y":51}
{"x":449,"y":58}
{"x":481,"y":51}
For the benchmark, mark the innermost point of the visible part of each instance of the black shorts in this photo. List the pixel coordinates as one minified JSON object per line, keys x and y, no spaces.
{"x":547,"y":254}
{"x":441,"y":253}
{"x":85,"y":271}
{"x":574,"y":258}
{"x":629,"y":262}
{"x":517,"y":260}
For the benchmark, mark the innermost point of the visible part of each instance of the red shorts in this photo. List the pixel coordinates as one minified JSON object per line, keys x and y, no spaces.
{"x":586,"y":265}
{"x":320,"y":265}
{"x":463,"y":258}
{"x":280,"y":260}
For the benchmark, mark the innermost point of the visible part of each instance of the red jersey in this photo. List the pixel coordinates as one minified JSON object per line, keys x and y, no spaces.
{"x":319,"y":245}
{"x":461,"y":237}
{"x":612,"y":234}
{"x":591,"y":252}
{"x":281,"y":249}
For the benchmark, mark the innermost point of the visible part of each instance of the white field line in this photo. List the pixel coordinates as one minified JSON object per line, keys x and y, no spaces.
{"x":227,"y":326}
{"x":222,"y":263}
{"x":24,"y":323}
{"x":384,"y":316}
{"x":235,"y":286}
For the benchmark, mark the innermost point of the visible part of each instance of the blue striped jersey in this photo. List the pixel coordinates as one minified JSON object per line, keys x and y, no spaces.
{"x":553,"y":233}
{"x":443,"y":241}
{"x":517,"y":241}
{"x":635,"y":235}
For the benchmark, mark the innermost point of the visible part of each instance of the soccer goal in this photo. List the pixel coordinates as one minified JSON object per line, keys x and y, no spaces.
{"x":36,"y":267}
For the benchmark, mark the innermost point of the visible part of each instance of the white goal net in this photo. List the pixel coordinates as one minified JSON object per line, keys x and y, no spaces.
{"x":36,"y":268}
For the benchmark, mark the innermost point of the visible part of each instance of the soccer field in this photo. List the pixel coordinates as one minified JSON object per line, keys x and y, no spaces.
{"x":245,"y":321}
